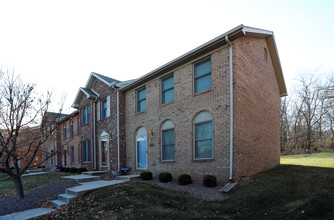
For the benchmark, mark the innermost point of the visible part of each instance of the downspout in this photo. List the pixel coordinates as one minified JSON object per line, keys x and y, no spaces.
{"x":94,"y":102}
{"x":113,"y":85}
{"x":118,"y":157}
{"x":231,"y":105}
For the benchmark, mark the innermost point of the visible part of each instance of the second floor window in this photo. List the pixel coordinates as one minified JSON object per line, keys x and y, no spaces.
{"x":167,"y":87}
{"x":85,"y":113}
{"x":65,"y":132}
{"x":202,"y":75}
{"x":104,"y":108}
{"x":141,"y":100}
{"x":72,"y":129}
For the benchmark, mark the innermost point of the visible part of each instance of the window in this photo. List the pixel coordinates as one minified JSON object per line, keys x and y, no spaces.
{"x":103,"y":109}
{"x":65,"y":132}
{"x":141,"y":100}
{"x":72,"y":129}
{"x":167,"y":89}
{"x":86,"y":152}
{"x":168,"y":141}
{"x":85,"y":115}
{"x":203,"y":136}
{"x":202,"y":75}
{"x":72,"y":155}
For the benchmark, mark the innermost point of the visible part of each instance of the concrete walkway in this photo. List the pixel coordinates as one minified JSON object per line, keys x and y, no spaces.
{"x":26,"y":214}
{"x":34,"y":173}
{"x":70,"y":194}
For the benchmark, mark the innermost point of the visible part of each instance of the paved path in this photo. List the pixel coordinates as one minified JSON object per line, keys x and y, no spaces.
{"x":26,"y":214}
{"x":70,"y":193}
{"x":35,"y":173}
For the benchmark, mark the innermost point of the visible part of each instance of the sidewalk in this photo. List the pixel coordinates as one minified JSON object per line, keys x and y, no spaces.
{"x":31,"y":213}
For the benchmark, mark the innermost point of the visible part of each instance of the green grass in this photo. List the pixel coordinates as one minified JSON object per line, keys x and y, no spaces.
{"x":7,"y":187}
{"x":285,"y":192}
{"x":321,"y":159}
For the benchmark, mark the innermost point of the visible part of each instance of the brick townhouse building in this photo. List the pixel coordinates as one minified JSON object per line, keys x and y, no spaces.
{"x":63,"y":142}
{"x":214,"y":110}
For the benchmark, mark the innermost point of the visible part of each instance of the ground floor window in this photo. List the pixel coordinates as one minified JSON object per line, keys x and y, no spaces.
{"x":72,"y":155}
{"x":203,"y":135}
{"x":86,"y":153}
{"x":168,"y":141}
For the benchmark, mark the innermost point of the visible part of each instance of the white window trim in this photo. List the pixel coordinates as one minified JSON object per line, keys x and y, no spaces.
{"x":167,"y":125}
{"x":202,"y":117}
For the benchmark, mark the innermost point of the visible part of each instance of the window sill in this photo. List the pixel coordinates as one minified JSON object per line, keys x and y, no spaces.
{"x":167,"y":161}
{"x":202,"y":92}
{"x":203,"y":160}
{"x":141,"y":168}
{"x":87,"y":162}
{"x":168,"y":103}
{"x":139,"y":113}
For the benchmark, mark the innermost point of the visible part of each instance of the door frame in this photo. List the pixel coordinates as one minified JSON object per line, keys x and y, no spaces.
{"x":104,"y":137}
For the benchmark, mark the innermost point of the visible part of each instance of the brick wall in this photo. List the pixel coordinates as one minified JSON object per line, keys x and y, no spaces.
{"x":108,"y":125}
{"x":256,"y":108}
{"x":69,"y":142}
{"x":86,"y":131}
{"x":182,"y":111}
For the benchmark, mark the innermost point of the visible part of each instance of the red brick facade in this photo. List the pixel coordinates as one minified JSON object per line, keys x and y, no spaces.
{"x":256,"y":108}
{"x":258,"y":85}
{"x":107,"y":126}
{"x":71,"y":154}
{"x":256,"y":115}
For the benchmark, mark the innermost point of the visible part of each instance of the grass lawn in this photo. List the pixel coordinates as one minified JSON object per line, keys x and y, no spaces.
{"x":7,"y":186}
{"x":285,"y":192}
{"x":321,"y":159}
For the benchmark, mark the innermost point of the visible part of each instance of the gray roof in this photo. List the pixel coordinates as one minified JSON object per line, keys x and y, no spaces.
{"x":106,"y":78}
{"x":217,"y":42}
{"x":89,"y":92}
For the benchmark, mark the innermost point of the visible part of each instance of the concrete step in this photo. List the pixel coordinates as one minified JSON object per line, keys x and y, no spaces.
{"x":227,"y":187}
{"x":66,"y":197}
{"x":57,"y":203}
{"x":82,"y":178}
{"x":127,"y":177}
{"x":95,"y":173}
{"x":90,"y":186}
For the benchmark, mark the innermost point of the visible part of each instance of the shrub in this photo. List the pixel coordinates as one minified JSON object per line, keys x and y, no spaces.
{"x":184,"y":179}
{"x":67,"y":169}
{"x":81,"y":169}
{"x":146,"y":175}
{"x":209,"y":181}
{"x":165,"y":177}
{"x":62,"y":169}
{"x":73,"y":170}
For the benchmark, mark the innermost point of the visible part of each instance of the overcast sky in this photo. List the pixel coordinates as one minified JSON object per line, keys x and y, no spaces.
{"x":57,"y":44}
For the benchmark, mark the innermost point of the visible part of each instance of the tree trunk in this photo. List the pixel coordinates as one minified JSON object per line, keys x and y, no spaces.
{"x":18,"y":187}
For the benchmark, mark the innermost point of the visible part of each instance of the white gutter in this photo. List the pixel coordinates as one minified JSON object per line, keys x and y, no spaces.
{"x":231,"y":105}
{"x":118,"y":157}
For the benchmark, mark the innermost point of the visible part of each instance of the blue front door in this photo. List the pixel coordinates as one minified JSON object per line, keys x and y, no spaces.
{"x":141,"y":153}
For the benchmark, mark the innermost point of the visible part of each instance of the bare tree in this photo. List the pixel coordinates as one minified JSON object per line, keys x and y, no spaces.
{"x":307,"y":120}
{"x":22,"y":131}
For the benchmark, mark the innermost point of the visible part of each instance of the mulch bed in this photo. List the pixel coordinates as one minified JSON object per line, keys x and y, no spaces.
{"x":35,"y":198}
{"x":196,"y":188}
